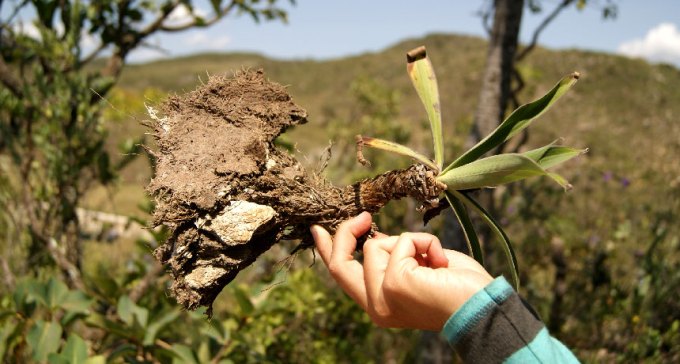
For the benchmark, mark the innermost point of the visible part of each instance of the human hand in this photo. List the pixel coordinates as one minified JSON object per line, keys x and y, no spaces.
{"x":406,"y":281}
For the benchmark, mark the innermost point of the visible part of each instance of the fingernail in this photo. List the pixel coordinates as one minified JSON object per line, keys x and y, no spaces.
{"x":314,"y":229}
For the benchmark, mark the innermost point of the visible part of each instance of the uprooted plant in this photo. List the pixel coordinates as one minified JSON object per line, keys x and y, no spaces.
{"x":228,"y":194}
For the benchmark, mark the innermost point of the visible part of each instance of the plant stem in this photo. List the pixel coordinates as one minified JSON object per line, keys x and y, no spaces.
{"x":417,"y":181}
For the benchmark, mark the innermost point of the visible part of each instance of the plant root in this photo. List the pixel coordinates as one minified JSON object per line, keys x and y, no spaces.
{"x":227,"y":193}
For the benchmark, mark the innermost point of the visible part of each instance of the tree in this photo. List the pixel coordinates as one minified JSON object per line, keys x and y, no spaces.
{"x":495,"y":90}
{"x":52,"y":136}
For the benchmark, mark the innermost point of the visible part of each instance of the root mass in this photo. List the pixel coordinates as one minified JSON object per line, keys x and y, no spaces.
{"x":227,"y":193}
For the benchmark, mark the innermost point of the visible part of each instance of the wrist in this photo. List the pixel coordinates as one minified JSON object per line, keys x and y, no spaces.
{"x":478,"y":305}
{"x":469,"y":287}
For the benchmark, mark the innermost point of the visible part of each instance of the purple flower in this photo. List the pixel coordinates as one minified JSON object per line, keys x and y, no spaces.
{"x":607,"y":176}
{"x":625,"y":182}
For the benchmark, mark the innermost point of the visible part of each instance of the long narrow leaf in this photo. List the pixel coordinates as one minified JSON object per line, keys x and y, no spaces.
{"x":516,"y":122}
{"x":396,"y":148}
{"x":494,"y":171}
{"x":552,"y":155}
{"x":538,"y":153}
{"x":422,"y":75}
{"x":471,"y":239}
{"x":496,"y":228}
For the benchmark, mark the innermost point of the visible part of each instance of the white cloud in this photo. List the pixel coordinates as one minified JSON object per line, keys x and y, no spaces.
{"x":201,"y":39}
{"x":193,"y":41}
{"x":27,"y":28}
{"x":661,"y":44}
{"x":88,"y":42}
{"x":182,"y":15}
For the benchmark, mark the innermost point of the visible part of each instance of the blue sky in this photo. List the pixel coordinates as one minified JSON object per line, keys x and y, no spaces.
{"x":323,"y":29}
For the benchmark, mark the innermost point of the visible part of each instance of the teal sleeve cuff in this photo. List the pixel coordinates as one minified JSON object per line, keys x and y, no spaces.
{"x":476,"y":308}
{"x":543,"y":349}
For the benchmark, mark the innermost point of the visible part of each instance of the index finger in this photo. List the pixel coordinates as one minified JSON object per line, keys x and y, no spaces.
{"x":343,"y":267}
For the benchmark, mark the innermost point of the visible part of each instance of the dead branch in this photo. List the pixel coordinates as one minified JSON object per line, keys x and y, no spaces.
{"x":537,"y":32}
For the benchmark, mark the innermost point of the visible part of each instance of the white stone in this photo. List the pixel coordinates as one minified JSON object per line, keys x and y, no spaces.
{"x":204,"y":276}
{"x":238,"y":221}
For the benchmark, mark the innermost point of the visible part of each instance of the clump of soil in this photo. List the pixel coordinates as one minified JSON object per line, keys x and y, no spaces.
{"x":227,"y":193}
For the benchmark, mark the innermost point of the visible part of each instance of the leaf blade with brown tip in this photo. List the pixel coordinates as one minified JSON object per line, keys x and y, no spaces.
{"x":396,"y":148}
{"x":422,"y":76}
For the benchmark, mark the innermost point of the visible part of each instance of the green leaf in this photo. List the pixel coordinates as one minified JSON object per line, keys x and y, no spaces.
{"x":97,"y":359}
{"x":516,"y":122}
{"x":55,"y":293}
{"x":23,"y":296}
{"x":496,"y":228}
{"x":552,"y":155}
{"x":203,"y":352}
{"x":216,"y":330}
{"x":396,"y":148}
{"x":422,"y":75}
{"x":44,"y":338}
{"x":7,"y":331}
{"x":183,"y":354}
{"x":157,"y":324}
{"x":122,"y":351}
{"x":494,"y":171}
{"x":474,"y":247}
{"x":76,"y":302}
{"x":75,"y":350}
{"x":55,"y":358}
{"x":111,"y":327}
{"x":129,"y":312}
{"x":37,"y":292}
{"x":216,"y":5}
{"x":243,"y":300}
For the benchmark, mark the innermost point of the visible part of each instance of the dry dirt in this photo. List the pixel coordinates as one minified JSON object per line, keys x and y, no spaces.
{"x":227,"y":193}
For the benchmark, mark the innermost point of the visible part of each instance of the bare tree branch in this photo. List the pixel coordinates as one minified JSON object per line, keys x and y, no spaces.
{"x":158,"y":23}
{"x":8,"y":276}
{"x":71,"y":272}
{"x":90,"y":57}
{"x":485,"y":14}
{"x":117,"y":59}
{"x":537,"y":32}
{"x":15,"y":11}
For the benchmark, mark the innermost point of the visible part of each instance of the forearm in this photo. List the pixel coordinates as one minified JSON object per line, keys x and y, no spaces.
{"x":494,"y":326}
